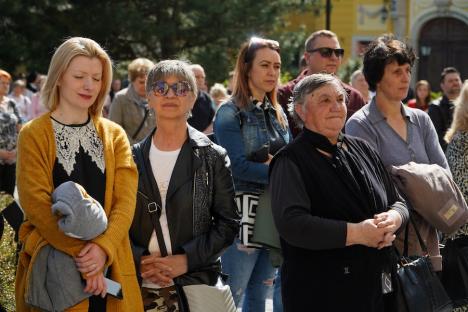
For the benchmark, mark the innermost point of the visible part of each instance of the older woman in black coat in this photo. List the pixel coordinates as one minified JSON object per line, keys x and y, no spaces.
{"x":335,"y":208}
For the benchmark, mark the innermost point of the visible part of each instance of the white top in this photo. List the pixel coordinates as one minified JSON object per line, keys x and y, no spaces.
{"x":162,"y":164}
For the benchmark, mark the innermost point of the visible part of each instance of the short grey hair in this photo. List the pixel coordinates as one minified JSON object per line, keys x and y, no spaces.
{"x":167,"y":68}
{"x":354,"y":75}
{"x":305,"y":87}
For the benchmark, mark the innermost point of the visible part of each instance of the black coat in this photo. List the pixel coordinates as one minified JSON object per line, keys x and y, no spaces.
{"x":201,"y":212}
{"x":313,"y":199}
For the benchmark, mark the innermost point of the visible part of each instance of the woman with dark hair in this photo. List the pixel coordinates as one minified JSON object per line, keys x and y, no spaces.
{"x":252,"y":127}
{"x":423,"y":96}
{"x":185,"y":215}
{"x":400,"y":134}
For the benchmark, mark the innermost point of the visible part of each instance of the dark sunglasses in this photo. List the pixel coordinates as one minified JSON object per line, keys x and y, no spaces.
{"x":327,"y":52}
{"x":180,"y":88}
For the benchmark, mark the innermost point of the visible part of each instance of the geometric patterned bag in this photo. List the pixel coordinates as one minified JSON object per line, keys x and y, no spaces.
{"x":247,"y":204}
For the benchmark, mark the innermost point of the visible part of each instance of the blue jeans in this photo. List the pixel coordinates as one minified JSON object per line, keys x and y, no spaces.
{"x":277,"y":299}
{"x":250,"y":275}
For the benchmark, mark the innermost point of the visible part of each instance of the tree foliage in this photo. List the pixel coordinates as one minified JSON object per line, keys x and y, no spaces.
{"x":206,"y":32}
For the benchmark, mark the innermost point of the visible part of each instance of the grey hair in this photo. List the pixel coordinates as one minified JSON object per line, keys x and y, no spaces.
{"x":167,"y":68}
{"x":354,"y":75}
{"x":305,"y":87}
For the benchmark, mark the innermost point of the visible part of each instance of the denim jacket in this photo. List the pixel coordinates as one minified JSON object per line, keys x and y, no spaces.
{"x":242,"y":132}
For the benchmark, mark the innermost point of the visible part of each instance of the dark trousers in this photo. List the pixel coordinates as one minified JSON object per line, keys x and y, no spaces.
{"x":12,"y":213}
{"x":7,"y":178}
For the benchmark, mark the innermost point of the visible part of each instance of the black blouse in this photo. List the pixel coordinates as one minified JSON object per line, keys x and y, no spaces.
{"x":80,"y":158}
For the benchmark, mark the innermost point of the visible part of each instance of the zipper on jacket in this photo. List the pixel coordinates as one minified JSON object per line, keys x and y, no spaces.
{"x":193,"y":201}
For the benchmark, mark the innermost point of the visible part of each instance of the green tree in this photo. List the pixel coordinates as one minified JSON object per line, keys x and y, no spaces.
{"x":205,"y":32}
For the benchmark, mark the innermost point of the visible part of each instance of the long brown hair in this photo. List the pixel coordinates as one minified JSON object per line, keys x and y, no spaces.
{"x":241,"y":91}
{"x":419,"y":104}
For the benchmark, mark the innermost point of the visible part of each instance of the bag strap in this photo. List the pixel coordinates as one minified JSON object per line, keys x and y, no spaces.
{"x":154,"y":208}
{"x":141,"y":124}
{"x":155,"y":214}
{"x":421,"y":241}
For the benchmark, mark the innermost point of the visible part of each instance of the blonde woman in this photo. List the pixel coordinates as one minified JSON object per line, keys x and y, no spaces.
{"x":457,"y":158}
{"x":457,"y":150}
{"x":72,"y":142}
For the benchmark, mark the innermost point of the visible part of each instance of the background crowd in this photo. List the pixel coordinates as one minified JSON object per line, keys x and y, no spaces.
{"x":52,"y":131}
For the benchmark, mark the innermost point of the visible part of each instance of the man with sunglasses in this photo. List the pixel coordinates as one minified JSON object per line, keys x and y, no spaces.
{"x":323,"y":54}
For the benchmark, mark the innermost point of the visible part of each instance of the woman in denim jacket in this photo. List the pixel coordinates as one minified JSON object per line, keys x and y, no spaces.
{"x":252,"y":127}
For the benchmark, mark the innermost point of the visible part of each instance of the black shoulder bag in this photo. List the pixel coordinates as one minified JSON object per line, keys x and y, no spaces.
{"x":420,"y":290}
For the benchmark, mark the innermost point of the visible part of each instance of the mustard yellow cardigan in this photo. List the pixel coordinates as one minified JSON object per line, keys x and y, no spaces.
{"x":36,"y":157}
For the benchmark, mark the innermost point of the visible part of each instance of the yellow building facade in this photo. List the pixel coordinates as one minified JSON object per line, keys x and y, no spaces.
{"x":437,"y":29}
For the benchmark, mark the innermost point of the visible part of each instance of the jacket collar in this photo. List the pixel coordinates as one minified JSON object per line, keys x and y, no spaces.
{"x":254,"y":104}
{"x":188,"y":161}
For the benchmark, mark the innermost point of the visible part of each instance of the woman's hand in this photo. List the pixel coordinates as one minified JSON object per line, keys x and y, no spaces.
{"x":270,"y":157}
{"x":389,"y":220}
{"x":365,"y":233}
{"x":151,"y":269}
{"x":96,"y":285}
{"x":7,"y":156}
{"x":91,"y":259}
{"x":164,"y":268}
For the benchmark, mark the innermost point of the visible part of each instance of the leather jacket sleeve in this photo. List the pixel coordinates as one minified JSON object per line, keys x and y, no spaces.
{"x":206,"y":248}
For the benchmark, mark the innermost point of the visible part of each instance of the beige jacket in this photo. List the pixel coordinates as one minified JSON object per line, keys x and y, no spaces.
{"x":128,"y":110}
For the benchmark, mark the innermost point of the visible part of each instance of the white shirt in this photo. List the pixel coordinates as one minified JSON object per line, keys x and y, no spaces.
{"x":162,"y":164}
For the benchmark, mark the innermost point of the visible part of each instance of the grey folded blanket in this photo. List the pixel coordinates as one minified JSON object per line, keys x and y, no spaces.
{"x":55,"y":284}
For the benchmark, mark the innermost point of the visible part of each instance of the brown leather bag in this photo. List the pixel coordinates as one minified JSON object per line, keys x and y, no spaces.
{"x":431,"y":192}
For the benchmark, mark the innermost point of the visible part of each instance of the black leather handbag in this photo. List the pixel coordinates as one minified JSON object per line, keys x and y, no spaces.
{"x":420,"y":290}
{"x":455,"y":270}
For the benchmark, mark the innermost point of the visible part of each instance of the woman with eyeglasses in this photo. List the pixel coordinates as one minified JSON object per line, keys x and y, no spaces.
{"x":185,"y":214}
{"x":252,"y":127}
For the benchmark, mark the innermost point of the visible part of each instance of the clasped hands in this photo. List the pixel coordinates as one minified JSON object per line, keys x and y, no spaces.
{"x":161,"y":270}
{"x":90,"y":263}
{"x":377,"y":232}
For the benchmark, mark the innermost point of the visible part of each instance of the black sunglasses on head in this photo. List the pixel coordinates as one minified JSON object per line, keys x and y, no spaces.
{"x":327,"y":52}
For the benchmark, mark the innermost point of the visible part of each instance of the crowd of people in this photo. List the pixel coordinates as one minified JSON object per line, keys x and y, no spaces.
{"x":176,"y":171}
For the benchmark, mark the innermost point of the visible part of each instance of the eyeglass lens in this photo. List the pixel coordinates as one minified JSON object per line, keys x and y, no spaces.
{"x":180,"y":88}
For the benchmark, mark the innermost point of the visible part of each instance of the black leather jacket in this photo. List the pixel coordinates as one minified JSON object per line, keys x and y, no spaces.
{"x":201,"y":212}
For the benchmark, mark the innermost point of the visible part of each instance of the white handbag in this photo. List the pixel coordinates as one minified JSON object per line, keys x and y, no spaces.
{"x":204,"y":298}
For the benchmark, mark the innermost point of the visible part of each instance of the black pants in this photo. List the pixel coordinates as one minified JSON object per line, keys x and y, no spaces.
{"x":12,"y":213}
{"x":7,"y":178}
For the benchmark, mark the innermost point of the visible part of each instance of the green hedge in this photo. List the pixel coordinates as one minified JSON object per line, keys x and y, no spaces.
{"x":7,"y":269}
